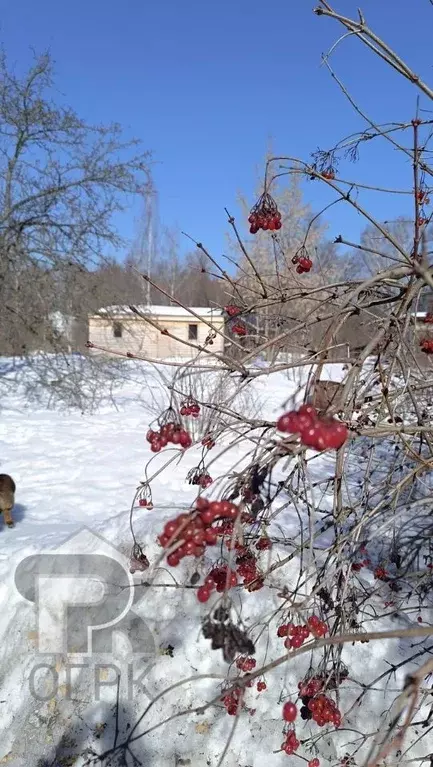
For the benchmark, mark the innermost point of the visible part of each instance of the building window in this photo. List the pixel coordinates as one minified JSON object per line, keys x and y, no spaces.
{"x":117,"y":329}
{"x":192,"y":332}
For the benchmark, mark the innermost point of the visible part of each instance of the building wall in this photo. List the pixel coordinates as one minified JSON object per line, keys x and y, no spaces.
{"x":139,"y":337}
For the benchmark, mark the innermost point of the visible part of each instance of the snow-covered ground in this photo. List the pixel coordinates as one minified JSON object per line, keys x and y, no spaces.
{"x":76,"y":477}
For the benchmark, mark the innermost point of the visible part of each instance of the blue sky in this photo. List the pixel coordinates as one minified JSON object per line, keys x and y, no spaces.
{"x":209,"y":86}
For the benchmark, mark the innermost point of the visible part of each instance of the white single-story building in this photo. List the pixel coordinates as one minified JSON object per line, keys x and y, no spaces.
{"x":157,"y":332}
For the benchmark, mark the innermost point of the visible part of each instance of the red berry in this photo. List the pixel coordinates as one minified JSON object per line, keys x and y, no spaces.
{"x":173,"y":559}
{"x":290,"y":712}
{"x":170,"y":528}
{"x":207,"y":516}
{"x":313,"y":437}
{"x":261,"y":686}
{"x":203,"y":594}
{"x":198,"y":538}
{"x":288,"y":422}
{"x":335,"y":433}
{"x":216,"y":507}
{"x":239,"y":329}
{"x":189,"y":548}
{"x":210,"y":536}
{"x":185,"y":440}
{"x":229,"y":510}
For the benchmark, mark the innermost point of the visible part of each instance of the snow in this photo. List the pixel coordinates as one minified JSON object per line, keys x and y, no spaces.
{"x":76,"y":476}
{"x":165,"y":311}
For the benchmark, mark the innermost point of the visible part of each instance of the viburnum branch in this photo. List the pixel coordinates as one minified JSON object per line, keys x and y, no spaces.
{"x":376,"y":44}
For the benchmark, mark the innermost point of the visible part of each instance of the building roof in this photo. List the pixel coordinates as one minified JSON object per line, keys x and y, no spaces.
{"x":158,"y":311}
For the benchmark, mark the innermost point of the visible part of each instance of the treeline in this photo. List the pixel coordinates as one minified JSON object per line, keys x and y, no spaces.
{"x":47,"y":308}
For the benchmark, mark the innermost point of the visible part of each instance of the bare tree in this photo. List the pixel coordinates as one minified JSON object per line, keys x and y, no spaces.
{"x":61,"y":182}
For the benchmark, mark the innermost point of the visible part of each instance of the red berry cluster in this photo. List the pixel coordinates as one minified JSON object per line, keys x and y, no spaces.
{"x":204,"y":480}
{"x":194,"y":531}
{"x":245,"y":663}
{"x":208,"y":442}
{"x":169,"y":432}
{"x":190,"y":407}
{"x":220,"y":578}
{"x":304,"y":265}
{"x":380,"y":573}
{"x":198,"y":476}
{"x":291,"y":743}
{"x":308,"y":688}
{"x":303,"y":261}
{"x":317,"y":627}
{"x":428,"y":319}
{"x":232,"y":310}
{"x":232,"y":701}
{"x":324,"y":711}
{"x":261,"y":686}
{"x":144,"y":503}
{"x":247,"y":569}
{"x":315,"y":432}
{"x":314,"y":762}
{"x":426,"y":345}
{"x":290,"y":712}
{"x":239,"y":328}
{"x":145,"y":496}
{"x":265,"y":215}
{"x":296,"y":635}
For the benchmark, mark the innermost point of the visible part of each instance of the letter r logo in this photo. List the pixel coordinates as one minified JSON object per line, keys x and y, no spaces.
{"x":75,"y":595}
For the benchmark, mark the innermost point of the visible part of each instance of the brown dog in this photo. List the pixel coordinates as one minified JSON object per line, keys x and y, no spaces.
{"x":7,"y":498}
